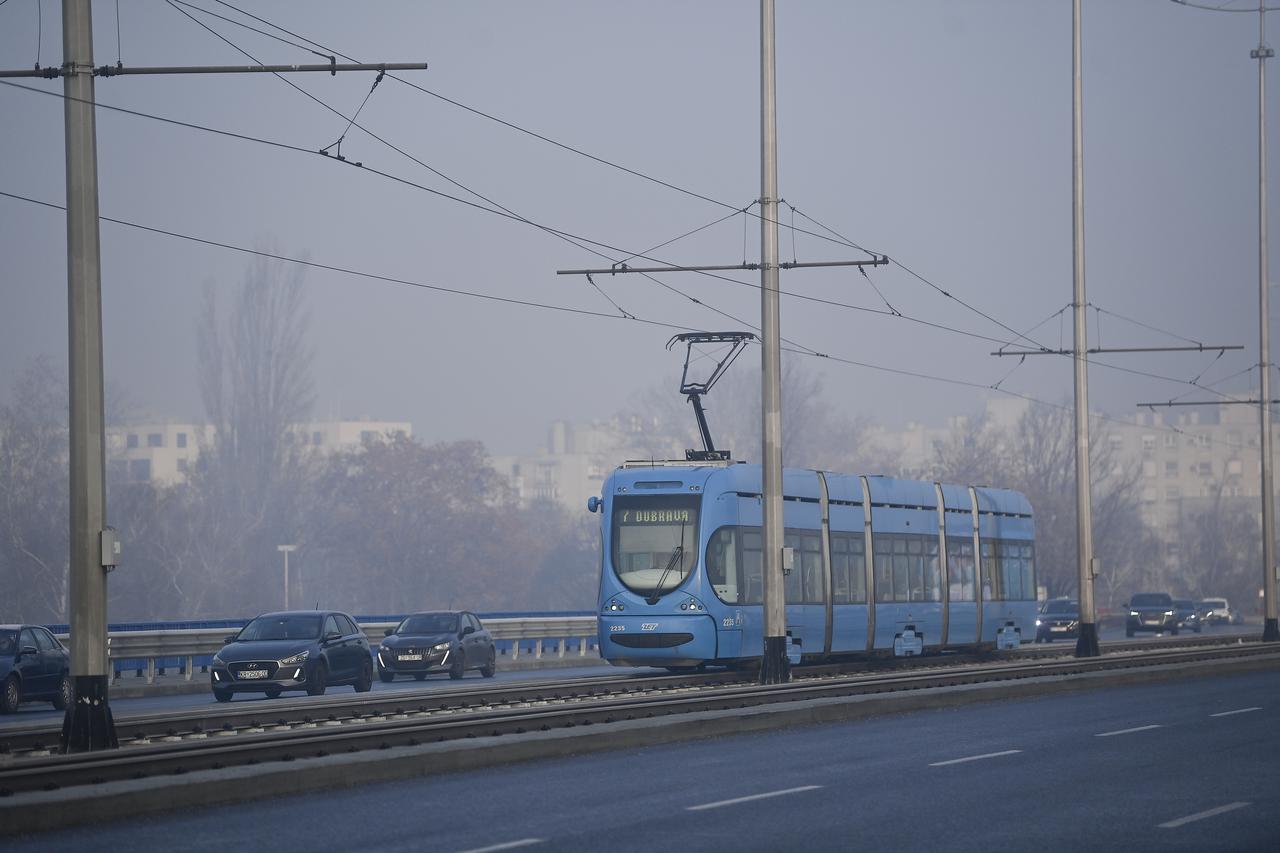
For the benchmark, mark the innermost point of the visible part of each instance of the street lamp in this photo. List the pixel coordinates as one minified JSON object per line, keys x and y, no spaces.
{"x":285,"y":549}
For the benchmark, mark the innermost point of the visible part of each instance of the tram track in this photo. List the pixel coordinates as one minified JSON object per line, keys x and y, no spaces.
{"x":41,"y":740}
{"x":516,"y":712}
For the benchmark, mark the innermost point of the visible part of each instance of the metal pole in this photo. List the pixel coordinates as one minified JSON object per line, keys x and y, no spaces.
{"x":286,"y":580}
{"x":1270,"y":631}
{"x":774,"y":667}
{"x":1087,"y":644}
{"x":88,"y":724}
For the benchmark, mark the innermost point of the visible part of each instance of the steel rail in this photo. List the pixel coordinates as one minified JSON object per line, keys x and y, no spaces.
{"x":328,"y":737}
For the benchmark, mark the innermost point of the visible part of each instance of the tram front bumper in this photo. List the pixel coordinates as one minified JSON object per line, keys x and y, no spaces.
{"x":657,"y":640}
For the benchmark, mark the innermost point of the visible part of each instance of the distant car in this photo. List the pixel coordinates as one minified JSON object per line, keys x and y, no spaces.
{"x":444,"y":640}
{"x":34,"y":666}
{"x":1151,"y":611}
{"x":1059,"y":618}
{"x":294,"y":650}
{"x":1188,"y":614}
{"x":1215,"y":611}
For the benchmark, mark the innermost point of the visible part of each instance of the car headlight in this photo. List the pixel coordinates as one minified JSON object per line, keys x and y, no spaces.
{"x":1037,"y":623}
{"x":298,"y":658}
{"x":1133,"y":613}
{"x":440,"y":647}
{"x":217,"y":661}
{"x":1168,"y":613}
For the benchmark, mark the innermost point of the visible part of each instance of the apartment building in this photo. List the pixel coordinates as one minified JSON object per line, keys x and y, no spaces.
{"x":163,"y":452}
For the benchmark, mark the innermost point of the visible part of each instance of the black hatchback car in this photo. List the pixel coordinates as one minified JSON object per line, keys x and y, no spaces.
{"x":452,"y":640}
{"x":33,"y":666}
{"x":1059,"y":618}
{"x":294,"y":650}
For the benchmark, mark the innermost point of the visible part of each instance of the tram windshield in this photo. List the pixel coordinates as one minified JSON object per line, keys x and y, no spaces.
{"x":655,"y":541}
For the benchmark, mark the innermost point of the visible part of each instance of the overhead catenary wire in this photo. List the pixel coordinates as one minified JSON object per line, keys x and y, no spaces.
{"x":840,"y":238}
{"x":524,"y":303}
{"x":554,"y":231}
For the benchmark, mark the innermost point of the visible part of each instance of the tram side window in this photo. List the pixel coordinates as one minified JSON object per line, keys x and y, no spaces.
{"x":960,"y":568}
{"x":804,"y":583}
{"x":991,"y":590}
{"x":1017,"y":573}
{"x":722,"y":565}
{"x":932,"y":570}
{"x":882,"y":547}
{"x":810,"y":556}
{"x":848,"y":569}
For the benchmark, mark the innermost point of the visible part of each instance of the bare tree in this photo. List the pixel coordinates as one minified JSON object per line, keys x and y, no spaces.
{"x":34,"y":497}
{"x":256,"y":387}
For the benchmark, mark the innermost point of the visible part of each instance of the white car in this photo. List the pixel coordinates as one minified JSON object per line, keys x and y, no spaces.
{"x":1215,"y":611}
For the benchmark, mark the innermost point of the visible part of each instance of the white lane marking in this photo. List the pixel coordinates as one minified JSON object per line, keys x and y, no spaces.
{"x":509,"y":845}
{"x":1127,"y":731}
{"x":975,"y":757}
{"x":1230,"y":807}
{"x":765,"y":796}
{"x":1237,"y":711}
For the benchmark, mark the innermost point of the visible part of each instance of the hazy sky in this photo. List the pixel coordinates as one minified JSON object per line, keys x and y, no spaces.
{"x":935,"y":132}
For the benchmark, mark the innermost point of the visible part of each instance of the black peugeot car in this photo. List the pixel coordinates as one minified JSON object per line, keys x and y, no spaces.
{"x":452,"y":640}
{"x":295,"y":650}
{"x":1059,"y":618}
{"x":33,"y":666}
{"x":1151,"y":611}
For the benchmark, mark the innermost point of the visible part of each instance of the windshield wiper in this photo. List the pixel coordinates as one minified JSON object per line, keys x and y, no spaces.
{"x":677,"y":555}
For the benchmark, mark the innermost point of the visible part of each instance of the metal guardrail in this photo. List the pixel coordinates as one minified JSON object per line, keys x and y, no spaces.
{"x":149,"y":652}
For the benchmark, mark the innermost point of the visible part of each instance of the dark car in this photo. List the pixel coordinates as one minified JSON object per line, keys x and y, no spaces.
{"x":452,"y":640}
{"x":1151,"y":611}
{"x":1059,"y":619}
{"x":295,"y":650}
{"x":33,"y":666}
{"x":1187,"y":613}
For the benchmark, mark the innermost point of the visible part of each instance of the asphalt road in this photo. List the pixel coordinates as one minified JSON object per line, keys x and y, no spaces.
{"x":1183,"y":765}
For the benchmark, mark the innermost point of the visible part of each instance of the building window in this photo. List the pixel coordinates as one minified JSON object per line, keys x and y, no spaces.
{"x":1148,"y":468}
{"x":1171,"y":469}
{"x":132,"y":441}
{"x":1234,"y":467}
{"x":140,"y":470}
{"x":182,"y":439}
{"x":1172,"y":493}
{"x":155,"y":439}
{"x":1202,"y":440}
{"x":1170,"y":439}
{"x":182,"y":466}
{"x":1148,"y":442}
{"x":1204,"y":469}
{"x":1116,"y":441}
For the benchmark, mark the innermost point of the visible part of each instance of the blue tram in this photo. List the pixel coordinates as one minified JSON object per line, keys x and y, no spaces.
{"x":877,"y":565}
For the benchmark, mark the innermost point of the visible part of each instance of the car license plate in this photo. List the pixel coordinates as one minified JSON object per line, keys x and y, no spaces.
{"x":410,"y":657}
{"x":1058,"y":628}
{"x":254,"y":673}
